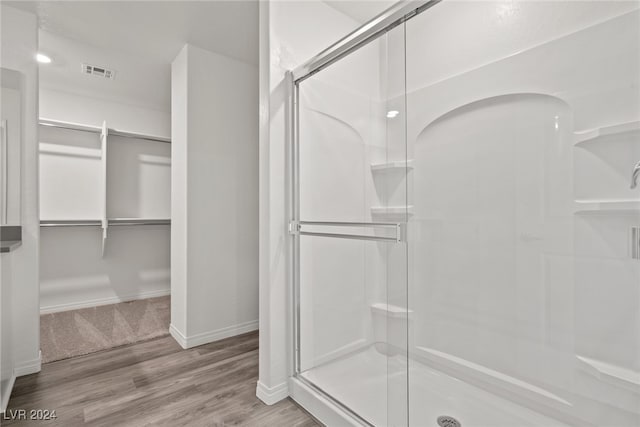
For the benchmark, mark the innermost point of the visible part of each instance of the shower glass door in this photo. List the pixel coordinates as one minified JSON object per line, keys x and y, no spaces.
{"x":351,"y":253}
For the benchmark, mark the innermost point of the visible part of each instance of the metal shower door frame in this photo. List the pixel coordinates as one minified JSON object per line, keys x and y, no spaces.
{"x":372,"y":30}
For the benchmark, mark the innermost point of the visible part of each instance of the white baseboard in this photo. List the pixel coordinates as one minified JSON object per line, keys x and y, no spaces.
{"x":28,"y":367}
{"x":6,"y":392}
{"x":211,"y":336}
{"x":180,"y":339}
{"x":271,"y":395}
{"x":103,"y":301}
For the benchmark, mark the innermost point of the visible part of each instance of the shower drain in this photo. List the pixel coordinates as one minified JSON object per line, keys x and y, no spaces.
{"x":447,"y":421}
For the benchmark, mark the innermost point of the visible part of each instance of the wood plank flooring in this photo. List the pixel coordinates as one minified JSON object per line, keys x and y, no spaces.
{"x":155,"y":383}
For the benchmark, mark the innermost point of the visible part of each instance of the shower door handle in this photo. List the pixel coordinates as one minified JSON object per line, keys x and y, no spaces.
{"x":4,"y":154}
{"x":635,"y":242}
{"x":394,"y":232}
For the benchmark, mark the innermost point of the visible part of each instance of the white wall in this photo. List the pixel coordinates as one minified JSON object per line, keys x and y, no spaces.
{"x":64,"y":106}
{"x":290,"y":33}
{"x":136,"y":263}
{"x":19,"y":46}
{"x":74,"y":273}
{"x":215,"y":180}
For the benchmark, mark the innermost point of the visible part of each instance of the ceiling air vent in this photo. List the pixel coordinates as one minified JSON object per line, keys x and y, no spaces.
{"x":94,"y":70}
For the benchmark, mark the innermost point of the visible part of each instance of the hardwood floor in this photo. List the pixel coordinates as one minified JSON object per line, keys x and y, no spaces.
{"x":155,"y":383}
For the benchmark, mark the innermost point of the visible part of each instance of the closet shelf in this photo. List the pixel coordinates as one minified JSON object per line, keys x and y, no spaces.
{"x":607,"y":205}
{"x":391,"y":212}
{"x":593,"y":134}
{"x":70,"y":125}
{"x":392,"y":166}
{"x":98,"y":223}
{"x":98,"y":130}
{"x":70,"y":223}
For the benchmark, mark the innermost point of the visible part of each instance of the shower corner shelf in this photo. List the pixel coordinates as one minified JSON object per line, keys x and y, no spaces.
{"x":590,"y":135}
{"x":391,"y":212}
{"x":390,"y":310}
{"x":399,"y":165}
{"x":603,"y":206}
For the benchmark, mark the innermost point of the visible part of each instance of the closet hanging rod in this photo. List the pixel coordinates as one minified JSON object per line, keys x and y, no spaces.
{"x":124,"y":134}
{"x":138,"y":221}
{"x":71,"y":223}
{"x":70,"y":126}
{"x":98,"y":223}
{"x":98,"y":130}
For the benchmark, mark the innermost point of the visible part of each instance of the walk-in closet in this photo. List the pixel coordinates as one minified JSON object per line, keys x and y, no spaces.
{"x":104,"y":199}
{"x":105,"y":236}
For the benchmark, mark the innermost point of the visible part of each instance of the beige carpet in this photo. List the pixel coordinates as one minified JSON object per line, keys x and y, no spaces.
{"x":77,"y":332}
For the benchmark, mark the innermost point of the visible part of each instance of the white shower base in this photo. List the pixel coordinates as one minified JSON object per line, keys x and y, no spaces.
{"x":360,"y":382}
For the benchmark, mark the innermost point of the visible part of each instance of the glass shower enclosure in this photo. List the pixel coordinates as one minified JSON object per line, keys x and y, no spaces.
{"x":465,"y":228}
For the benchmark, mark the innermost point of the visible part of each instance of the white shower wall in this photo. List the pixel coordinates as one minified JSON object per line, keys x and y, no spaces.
{"x":519,"y":281}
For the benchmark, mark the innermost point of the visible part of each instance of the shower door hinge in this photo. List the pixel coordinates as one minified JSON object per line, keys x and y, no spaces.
{"x":401,"y":232}
{"x":294,"y":227}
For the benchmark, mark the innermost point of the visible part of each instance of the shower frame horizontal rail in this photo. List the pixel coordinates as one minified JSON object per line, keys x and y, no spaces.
{"x":397,"y":227}
{"x":393,"y":16}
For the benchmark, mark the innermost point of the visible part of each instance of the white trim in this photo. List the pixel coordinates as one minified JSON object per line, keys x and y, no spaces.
{"x":6,"y":393}
{"x":28,"y":367}
{"x":271,"y":395}
{"x":431,"y":357}
{"x":211,"y":336}
{"x":104,"y":301}
{"x":321,"y":408}
{"x":180,"y":339}
{"x":510,"y":388}
{"x":614,"y":374}
{"x":346,"y":349}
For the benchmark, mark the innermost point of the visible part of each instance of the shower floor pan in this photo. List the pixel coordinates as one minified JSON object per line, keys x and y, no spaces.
{"x":360,"y":382}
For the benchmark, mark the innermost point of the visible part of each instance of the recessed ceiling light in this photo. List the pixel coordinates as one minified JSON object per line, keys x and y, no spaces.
{"x":43,"y":59}
{"x":391,"y":114}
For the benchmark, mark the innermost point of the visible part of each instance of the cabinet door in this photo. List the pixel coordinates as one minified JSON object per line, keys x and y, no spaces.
{"x":10,"y":147}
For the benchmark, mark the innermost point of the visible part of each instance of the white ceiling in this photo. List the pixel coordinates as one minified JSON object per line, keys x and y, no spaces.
{"x":140,"y":80}
{"x":157,"y":29}
{"x":360,"y":10}
{"x":140,"y":39}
